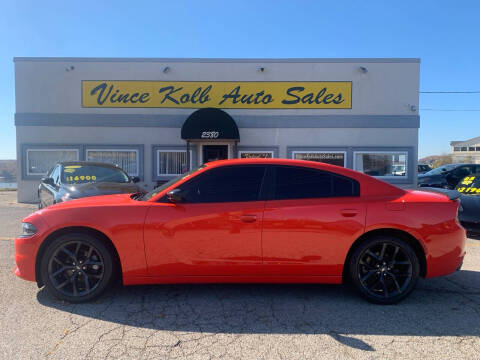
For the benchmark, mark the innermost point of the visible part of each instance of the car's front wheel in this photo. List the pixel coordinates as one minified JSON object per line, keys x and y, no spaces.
{"x":76,"y":267}
{"x":384,"y":269}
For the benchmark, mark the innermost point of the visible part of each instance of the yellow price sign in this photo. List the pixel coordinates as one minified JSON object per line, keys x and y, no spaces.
{"x":468,"y":180}
{"x":469,"y":190}
{"x":81,"y":178}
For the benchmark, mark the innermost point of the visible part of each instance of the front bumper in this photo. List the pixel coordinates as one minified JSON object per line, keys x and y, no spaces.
{"x":25,"y":254}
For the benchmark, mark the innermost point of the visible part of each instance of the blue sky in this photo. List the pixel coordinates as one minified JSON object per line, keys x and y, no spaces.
{"x":444,"y":34}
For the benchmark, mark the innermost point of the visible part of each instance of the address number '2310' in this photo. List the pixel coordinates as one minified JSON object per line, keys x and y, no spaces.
{"x":210,"y":134}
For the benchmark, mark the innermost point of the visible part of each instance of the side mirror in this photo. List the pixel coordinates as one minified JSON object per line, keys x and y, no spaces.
{"x":48,"y":181}
{"x":135,"y":179}
{"x":175,"y":196}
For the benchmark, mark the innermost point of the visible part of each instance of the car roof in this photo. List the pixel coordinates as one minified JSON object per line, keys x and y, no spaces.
{"x":369,"y":184}
{"x":88,"y":163}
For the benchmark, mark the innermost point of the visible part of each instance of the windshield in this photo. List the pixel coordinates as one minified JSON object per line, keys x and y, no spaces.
{"x":79,"y":174}
{"x":159,"y":189}
{"x":469,"y":185}
{"x":440,"y":169}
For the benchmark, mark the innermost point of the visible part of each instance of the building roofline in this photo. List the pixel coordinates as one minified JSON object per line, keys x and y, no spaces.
{"x":472,"y":141}
{"x":219,"y":60}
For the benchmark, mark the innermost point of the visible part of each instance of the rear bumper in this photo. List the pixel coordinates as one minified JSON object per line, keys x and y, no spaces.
{"x":446,"y":253}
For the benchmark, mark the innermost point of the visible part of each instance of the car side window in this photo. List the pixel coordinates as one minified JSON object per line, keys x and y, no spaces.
{"x":305,"y":183}
{"x":462,"y":171}
{"x":55,"y":175}
{"x":225,"y":184}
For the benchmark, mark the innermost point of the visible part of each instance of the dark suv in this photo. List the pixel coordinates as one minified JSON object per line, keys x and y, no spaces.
{"x":447,"y":176}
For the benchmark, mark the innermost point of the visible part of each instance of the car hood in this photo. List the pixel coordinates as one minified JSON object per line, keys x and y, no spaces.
{"x":423,"y":176}
{"x":103,"y":188}
{"x":100,"y":200}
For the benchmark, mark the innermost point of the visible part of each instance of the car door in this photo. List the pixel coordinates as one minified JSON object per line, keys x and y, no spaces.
{"x":310,"y":223}
{"x":214,"y":230}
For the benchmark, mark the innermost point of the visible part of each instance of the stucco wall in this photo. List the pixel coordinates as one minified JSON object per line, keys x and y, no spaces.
{"x":345,"y":138}
{"x":384,"y":111}
{"x":387,"y":88}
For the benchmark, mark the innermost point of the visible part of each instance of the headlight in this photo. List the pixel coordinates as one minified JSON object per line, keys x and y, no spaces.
{"x":28,"y":230}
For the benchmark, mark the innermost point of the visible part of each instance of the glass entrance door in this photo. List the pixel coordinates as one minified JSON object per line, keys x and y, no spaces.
{"x":214,"y":152}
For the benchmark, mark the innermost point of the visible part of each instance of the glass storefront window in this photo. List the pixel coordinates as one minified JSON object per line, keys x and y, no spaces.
{"x":329,"y":157}
{"x":172,"y":162}
{"x":382,"y":164}
{"x":127,"y":159}
{"x":255,"y":154}
{"x":39,"y":161}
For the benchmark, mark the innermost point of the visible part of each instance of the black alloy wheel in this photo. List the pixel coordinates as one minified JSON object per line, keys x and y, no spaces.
{"x":384,"y":269}
{"x":76,"y":267}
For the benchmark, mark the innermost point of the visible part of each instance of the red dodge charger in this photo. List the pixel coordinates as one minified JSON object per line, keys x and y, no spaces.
{"x":248,"y":220}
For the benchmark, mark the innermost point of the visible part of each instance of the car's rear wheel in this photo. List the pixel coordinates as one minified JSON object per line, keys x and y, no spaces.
{"x":384,"y":269}
{"x":76,"y":267}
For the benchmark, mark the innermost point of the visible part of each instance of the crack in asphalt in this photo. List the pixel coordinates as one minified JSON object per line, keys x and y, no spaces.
{"x":137,"y":323}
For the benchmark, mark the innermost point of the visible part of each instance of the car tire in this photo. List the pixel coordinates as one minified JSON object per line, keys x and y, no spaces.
{"x":77,"y":267}
{"x":384,"y":269}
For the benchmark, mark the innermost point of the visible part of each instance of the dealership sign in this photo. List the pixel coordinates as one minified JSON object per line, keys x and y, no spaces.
{"x":217,"y":94}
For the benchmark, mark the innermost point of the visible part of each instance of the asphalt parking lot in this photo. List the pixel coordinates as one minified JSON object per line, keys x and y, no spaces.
{"x":441,"y":319}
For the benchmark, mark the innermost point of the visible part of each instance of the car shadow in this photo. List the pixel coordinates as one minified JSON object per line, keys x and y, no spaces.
{"x":448,"y":306}
{"x":474,"y":236}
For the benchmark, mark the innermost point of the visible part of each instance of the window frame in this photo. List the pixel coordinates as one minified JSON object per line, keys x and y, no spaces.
{"x":157,"y":160}
{"x":126,"y":149}
{"x":271,"y":152}
{"x":274,"y":150}
{"x":344,"y":152}
{"x":119,"y":147}
{"x":407,"y":175}
{"x":27,"y":148}
{"x":154,"y":160}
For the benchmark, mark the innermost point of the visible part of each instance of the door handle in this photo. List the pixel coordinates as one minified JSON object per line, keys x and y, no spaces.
{"x":248,"y":218}
{"x":349,"y":212}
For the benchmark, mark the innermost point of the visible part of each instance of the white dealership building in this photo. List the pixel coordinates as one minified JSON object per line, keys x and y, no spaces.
{"x":157,"y":118}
